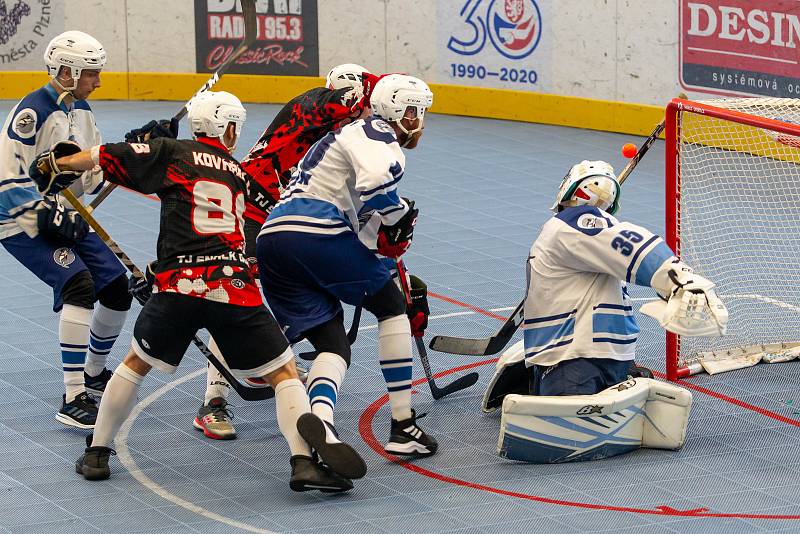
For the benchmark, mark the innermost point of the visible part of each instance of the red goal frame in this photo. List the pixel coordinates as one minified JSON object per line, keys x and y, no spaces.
{"x":672,"y":175}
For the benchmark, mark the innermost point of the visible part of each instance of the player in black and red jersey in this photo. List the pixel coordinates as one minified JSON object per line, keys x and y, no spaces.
{"x":299,"y":124}
{"x":202,"y":280}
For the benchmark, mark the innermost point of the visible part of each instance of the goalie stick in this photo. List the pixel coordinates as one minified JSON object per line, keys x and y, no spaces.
{"x":458,"y":384}
{"x":250,"y":34}
{"x":497,"y":342}
{"x":246,"y":393}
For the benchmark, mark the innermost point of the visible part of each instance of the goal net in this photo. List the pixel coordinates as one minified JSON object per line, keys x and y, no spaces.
{"x":733,"y":214}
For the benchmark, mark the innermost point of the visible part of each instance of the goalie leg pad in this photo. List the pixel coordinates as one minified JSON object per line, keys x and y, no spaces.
{"x":572,"y":428}
{"x":510,"y":376}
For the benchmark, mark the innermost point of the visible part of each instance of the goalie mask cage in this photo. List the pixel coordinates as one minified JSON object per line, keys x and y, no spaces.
{"x":733,"y":214}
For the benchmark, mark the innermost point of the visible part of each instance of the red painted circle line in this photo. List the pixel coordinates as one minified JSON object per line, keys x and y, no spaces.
{"x":365,"y":429}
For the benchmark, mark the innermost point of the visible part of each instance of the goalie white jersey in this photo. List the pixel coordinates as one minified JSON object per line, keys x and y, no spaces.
{"x":33,"y":126}
{"x":577,"y":305}
{"x":346,"y":178}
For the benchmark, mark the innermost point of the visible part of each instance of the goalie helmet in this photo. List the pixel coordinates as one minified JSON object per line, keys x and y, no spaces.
{"x":395,"y":93}
{"x":211,"y":111}
{"x":589,"y":183}
{"x":76,"y":50}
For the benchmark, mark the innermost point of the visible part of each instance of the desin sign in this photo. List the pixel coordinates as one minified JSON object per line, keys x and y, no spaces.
{"x":740,"y":47}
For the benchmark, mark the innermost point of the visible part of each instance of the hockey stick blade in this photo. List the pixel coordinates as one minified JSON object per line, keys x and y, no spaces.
{"x":245,"y":392}
{"x":352,"y":334}
{"x":484,"y":346}
{"x":462,"y":382}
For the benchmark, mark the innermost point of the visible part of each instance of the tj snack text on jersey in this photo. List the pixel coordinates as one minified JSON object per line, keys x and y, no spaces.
{"x":226,"y":256}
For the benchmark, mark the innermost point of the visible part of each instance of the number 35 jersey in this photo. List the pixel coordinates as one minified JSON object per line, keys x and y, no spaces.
{"x":577,"y":305}
{"x":203,"y":192}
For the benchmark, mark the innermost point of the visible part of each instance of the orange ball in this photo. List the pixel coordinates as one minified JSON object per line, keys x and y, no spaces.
{"x":629,"y":150}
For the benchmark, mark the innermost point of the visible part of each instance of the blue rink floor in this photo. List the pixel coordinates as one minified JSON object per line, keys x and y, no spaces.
{"x":483,"y":188}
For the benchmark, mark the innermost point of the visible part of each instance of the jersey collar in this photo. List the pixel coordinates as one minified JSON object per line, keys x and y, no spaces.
{"x":54,"y":94}
{"x":213,"y":141}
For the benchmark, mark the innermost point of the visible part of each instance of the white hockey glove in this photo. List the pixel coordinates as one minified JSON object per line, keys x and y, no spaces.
{"x":692,"y":307}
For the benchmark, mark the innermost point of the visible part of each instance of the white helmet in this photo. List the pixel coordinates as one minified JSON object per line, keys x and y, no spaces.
{"x":395,"y":93}
{"x":346,"y":75}
{"x":602,"y":191}
{"x":210,"y":113}
{"x":76,"y":50}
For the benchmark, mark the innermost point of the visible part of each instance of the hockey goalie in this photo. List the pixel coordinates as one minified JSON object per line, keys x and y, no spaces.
{"x":570,"y":390}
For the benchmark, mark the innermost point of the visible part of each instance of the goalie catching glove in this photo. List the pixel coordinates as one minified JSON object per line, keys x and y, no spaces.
{"x":45,"y":172}
{"x":394,"y":240}
{"x":153,"y":130}
{"x":690,"y":307}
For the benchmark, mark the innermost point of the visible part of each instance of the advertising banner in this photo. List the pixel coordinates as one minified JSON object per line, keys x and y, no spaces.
{"x":26,"y":26}
{"x":287,"y":42}
{"x":740,"y":47}
{"x":495,"y":43}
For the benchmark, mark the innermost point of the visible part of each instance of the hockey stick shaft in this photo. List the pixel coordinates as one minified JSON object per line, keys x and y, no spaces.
{"x":247,"y":393}
{"x":250,"y":34}
{"x":437,"y":392}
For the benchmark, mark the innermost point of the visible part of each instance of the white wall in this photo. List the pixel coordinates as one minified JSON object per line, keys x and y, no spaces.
{"x":624,"y":50}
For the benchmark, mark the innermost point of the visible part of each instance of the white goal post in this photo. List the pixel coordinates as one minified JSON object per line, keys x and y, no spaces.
{"x":733,"y":214}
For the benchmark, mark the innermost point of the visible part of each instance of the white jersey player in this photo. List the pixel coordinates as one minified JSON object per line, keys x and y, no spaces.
{"x":52,"y":241}
{"x":579,"y":329}
{"x":348,"y":176}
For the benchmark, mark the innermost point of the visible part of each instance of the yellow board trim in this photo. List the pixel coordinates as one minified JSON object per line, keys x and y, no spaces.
{"x":483,"y":102}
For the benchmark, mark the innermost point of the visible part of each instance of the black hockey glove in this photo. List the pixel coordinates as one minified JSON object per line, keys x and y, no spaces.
{"x":418,"y":310}
{"x":394,"y":240}
{"x":153,"y":130}
{"x":55,"y":220}
{"x":142,"y":288}
{"x":45,"y":173}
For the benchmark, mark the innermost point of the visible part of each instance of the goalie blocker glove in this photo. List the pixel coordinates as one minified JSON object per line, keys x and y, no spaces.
{"x":690,"y":306}
{"x":394,"y":241}
{"x":418,"y":309}
{"x":57,"y":221}
{"x":45,"y":173}
{"x":154,"y":130}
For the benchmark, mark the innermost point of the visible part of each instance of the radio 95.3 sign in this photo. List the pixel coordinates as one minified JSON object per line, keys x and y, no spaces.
{"x":493,"y":43}
{"x":286,"y":42}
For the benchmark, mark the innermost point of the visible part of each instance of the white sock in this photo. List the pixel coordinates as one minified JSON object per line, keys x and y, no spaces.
{"x":216,"y":385}
{"x":291,"y":401}
{"x":118,"y":401}
{"x":73,"y":335}
{"x":324,"y":378}
{"x":103,"y":332}
{"x":394,"y":353}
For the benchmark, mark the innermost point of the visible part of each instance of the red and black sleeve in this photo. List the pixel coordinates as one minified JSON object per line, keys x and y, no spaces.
{"x":138,"y":166}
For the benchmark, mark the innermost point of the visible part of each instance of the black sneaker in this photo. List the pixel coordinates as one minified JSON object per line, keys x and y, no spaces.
{"x":308,"y":474}
{"x":340,"y":457}
{"x":93,"y":463}
{"x":407,"y":439}
{"x":81,"y":412}
{"x":96,"y":385}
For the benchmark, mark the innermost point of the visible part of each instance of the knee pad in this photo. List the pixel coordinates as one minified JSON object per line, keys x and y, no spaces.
{"x":79,"y":291}
{"x":397,"y":324}
{"x":387,"y":302}
{"x":115,"y":295}
{"x":331,"y":337}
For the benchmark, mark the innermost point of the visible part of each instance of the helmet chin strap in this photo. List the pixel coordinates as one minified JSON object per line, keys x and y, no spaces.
{"x":409,"y":133}
{"x":65,"y":91}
